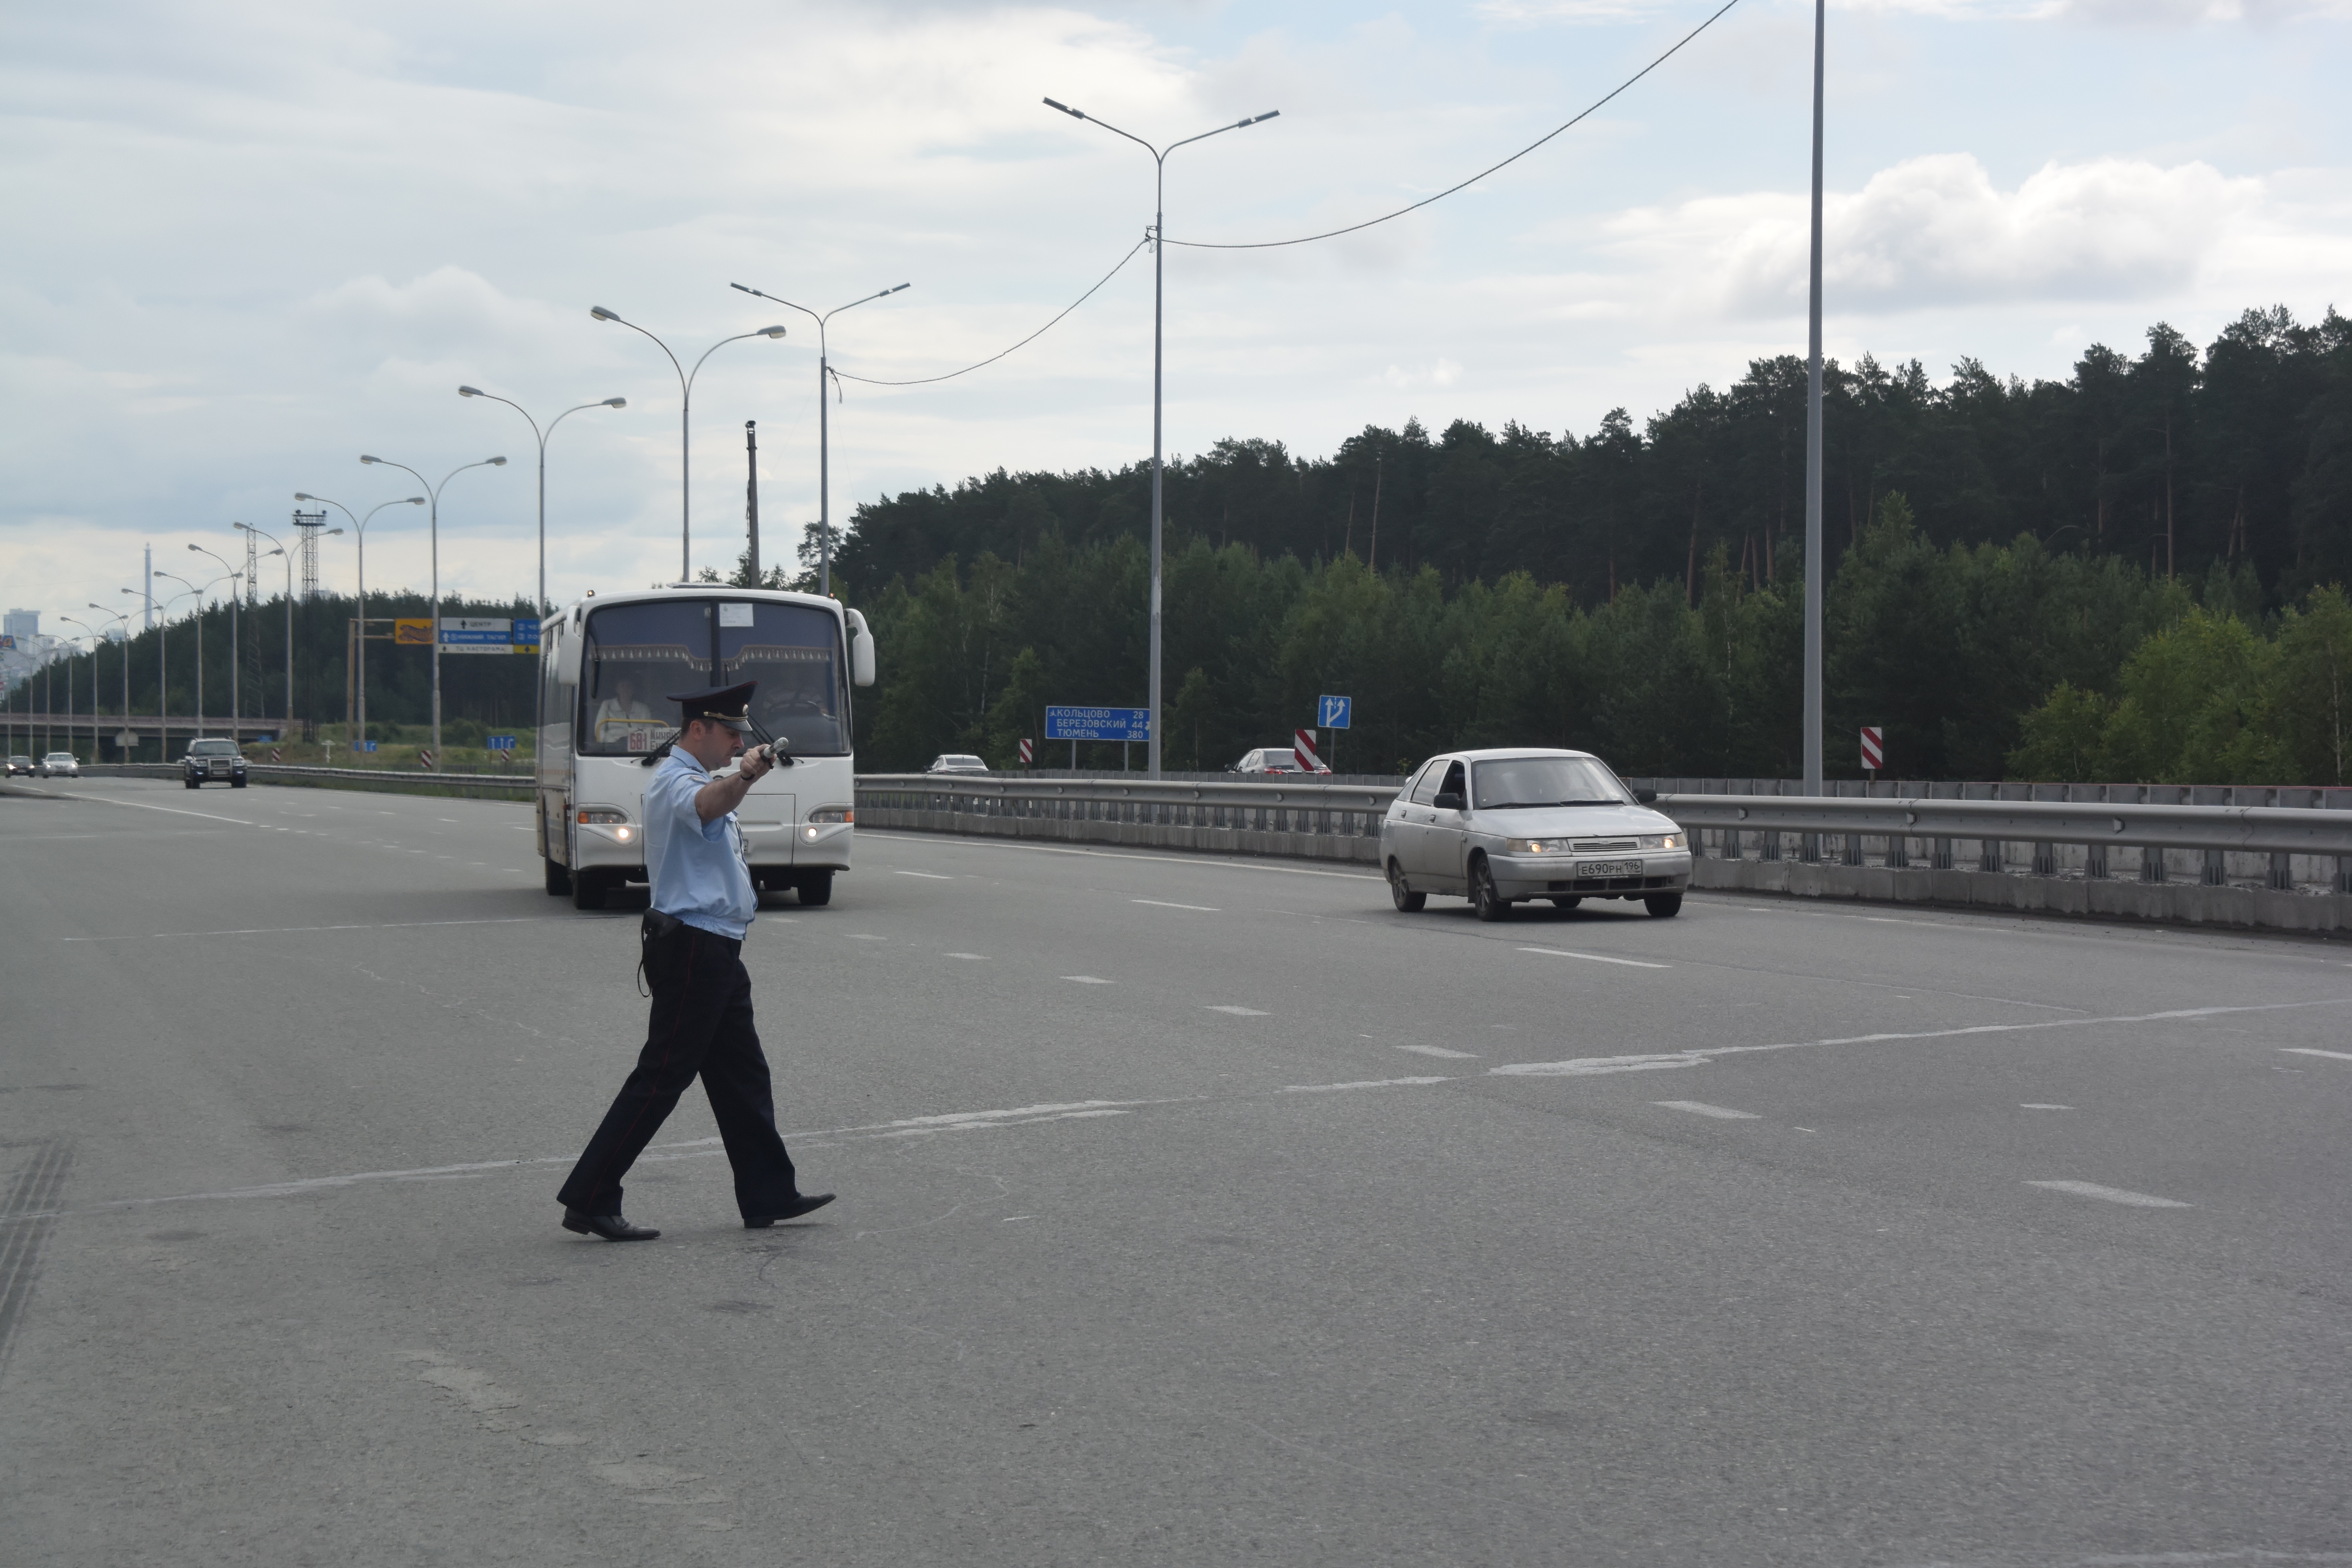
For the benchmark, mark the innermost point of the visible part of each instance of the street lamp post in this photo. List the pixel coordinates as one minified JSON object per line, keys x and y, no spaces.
{"x":162,"y":669}
{"x":235,"y":708}
{"x":359,"y":528}
{"x":289,"y":715}
{"x":541,"y":436}
{"x":94,"y":640}
{"x":199,"y":593}
{"x":1159,"y":272}
{"x":684,"y":440}
{"x":125,"y":619}
{"x":1815,"y":567}
{"x":434,"y":491}
{"x":823,"y":433}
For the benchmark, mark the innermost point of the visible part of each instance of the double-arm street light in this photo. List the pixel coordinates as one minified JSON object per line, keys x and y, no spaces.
{"x":823,"y":436}
{"x":1158,"y":273}
{"x":541,"y":436}
{"x":359,"y":527}
{"x":235,"y":709}
{"x":94,"y":640}
{"x":433,"y":492}
{"x":282,"y":551}
{"x":199,"y":593}
{"x":685,"y":432}
{"x":125,"y":619}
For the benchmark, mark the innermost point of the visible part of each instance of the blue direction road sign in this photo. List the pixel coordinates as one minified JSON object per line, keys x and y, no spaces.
{"x":526,"y":636}
{"x":1332,"y":712}
{"x":1098,"y":724}
{"x":503,"y":743}
{"x":475,"y":634}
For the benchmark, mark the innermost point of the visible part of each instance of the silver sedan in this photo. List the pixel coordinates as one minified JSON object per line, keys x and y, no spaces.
{"x":1500,"y":827}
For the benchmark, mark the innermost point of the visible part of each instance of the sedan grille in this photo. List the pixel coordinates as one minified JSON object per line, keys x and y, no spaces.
{"x":1604,"y":846}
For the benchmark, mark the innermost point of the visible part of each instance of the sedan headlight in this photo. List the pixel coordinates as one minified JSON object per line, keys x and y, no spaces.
{"x":1665,"y":841}
{"x":1535,"y":845}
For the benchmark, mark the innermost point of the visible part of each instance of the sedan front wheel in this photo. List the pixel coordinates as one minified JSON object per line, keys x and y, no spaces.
{"x":1488,"y":904}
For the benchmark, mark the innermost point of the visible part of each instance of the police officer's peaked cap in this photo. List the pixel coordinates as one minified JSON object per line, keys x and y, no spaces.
{"x":728,"y":705}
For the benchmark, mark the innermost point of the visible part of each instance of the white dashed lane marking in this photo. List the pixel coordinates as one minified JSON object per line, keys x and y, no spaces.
{"x":1720,"y":1113}
{"x":1085,"y":980}
{"x":1441,"y":1051}
{"x":926,"y":876}
{"x":1242,"y":1012}
{"x":2032,"y":1105}
{"x":1595,"y":957}
{"x":2315,"y":1051}
{"x":974,"y":957}
{"x":2110,"y":1194}
{"x":1164,"y":904}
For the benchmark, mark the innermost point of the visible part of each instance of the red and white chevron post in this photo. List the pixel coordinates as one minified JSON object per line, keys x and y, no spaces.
{"x":1873,"y":747}
{"x":1302,"y":746}
{"x":1027,"y":750}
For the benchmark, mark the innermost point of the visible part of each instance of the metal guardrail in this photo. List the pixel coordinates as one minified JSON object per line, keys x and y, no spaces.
{"x":2240,"y":827}
{"x":296,"y":773}
{"x":1302,"y":807}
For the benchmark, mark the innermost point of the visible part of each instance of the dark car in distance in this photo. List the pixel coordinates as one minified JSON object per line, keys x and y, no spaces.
{"x":213,"y":761}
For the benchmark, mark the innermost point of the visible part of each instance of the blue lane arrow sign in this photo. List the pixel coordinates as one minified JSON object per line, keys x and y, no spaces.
{"x":1333,"y":711}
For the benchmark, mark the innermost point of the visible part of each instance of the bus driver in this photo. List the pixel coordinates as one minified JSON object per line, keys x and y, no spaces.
{"x":700,"y":1022}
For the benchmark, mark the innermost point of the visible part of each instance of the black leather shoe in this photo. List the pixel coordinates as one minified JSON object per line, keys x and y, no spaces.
{"x":792,"y":1210}
{"x":611,"y":1226}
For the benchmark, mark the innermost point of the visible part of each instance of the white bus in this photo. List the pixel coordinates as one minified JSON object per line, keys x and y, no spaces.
{"x":606,"y":664}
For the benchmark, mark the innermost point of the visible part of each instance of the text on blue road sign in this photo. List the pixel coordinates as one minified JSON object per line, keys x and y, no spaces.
{"x":1098,"y":724}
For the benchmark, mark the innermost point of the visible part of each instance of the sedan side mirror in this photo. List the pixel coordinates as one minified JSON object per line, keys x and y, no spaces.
{"x":1645,"y":797}
{"x":1451,"y":800}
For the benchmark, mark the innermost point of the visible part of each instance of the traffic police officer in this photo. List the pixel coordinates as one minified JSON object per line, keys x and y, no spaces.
{"x":703,"y":901}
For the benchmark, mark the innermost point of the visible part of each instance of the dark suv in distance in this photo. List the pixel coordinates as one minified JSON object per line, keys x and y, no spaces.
{"x":216,"y":760}
{"x":20,"y":764}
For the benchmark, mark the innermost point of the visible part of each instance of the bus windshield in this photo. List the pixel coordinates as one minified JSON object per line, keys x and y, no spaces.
{"x":637,"y":654}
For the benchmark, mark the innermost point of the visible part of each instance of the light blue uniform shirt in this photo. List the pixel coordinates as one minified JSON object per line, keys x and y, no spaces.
{"x":696,"y":868}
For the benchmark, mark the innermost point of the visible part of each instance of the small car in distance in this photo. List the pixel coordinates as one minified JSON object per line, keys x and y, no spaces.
{"x":956,"y":762}
{"x":215,"y":761}
{"x":60,"y":765}
{"x":1271,"y":760}
{"x":20,"y":764}
{"x":1503,"y":825}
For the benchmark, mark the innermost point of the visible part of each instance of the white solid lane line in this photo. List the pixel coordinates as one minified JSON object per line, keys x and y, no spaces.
{"x":1122,"y":855}
{"x":1441,"y":1051}
{"x":2315,"y":1051}
{"x":1362,"y":1083}
{"x":1085,"y":980}
{"x":1164,"y":904}
{"x":2110,"y":1194}
{"x":1595,"y":957}
{"x":1581,"y":1065}
{"x":1243,"y":1012}
{"x":1720,"y":1113}
{"x":289,"y":931}
{"x":175,"y":811}
{"x":926,"y":876}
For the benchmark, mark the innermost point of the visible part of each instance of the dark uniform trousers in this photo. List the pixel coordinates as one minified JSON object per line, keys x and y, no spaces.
{"x":701,"y":1023}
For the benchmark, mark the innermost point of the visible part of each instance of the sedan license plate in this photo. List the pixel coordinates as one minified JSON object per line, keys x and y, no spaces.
{"x":1608,"y":867}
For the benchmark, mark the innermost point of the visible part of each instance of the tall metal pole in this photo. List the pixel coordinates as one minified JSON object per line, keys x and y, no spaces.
{"x":823,"y":427}
{"x":236,"y":711}
{"x":359,"y":655}
{"x":1815,"y":548}
{"x":1158,"y":276}
{"x":751,"y":498}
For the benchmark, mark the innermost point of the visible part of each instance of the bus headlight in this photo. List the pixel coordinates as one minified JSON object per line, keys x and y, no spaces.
{"x":600,"y":815}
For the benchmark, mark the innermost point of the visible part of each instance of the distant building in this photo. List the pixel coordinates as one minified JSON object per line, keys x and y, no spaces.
{"x":23,"y":624}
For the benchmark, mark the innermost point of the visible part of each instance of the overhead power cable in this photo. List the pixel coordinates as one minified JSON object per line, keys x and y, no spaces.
{"x":1593,"y":108}
{"x":926,"y":380}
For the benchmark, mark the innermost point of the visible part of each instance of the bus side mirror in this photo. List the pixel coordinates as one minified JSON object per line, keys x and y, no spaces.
{"x":861,"y":650}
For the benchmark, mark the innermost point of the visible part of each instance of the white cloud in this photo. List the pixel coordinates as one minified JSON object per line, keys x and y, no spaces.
{"x":1935,"y":231}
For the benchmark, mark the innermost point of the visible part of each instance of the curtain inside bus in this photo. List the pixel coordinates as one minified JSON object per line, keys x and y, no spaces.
{"x":793,"y":651}
{"x":636,"y":655}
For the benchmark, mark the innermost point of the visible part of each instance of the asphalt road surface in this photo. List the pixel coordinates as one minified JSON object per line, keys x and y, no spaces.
{"x":1191,"y":1211}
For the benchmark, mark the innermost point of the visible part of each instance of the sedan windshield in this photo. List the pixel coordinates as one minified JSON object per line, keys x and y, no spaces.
{"x":1545,"y":781}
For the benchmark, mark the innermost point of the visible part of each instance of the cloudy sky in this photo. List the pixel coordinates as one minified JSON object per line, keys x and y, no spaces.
{"x":251,"y":239}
